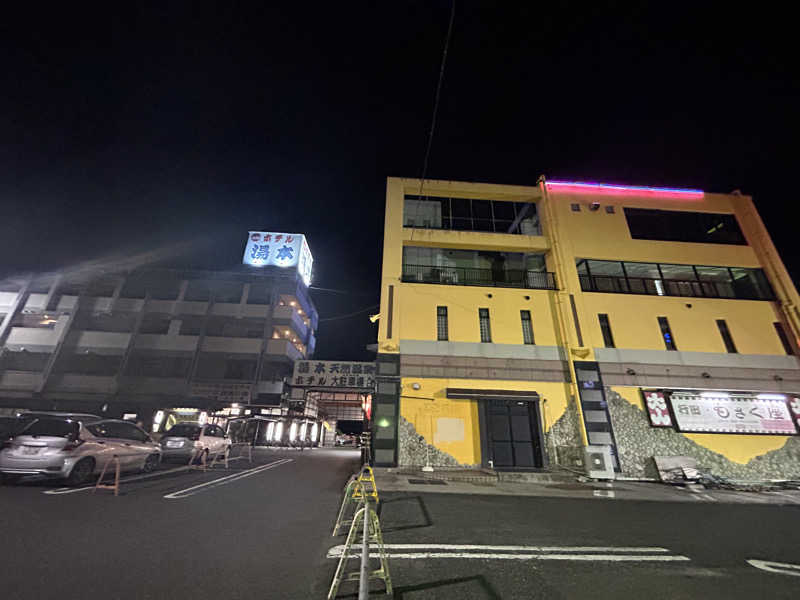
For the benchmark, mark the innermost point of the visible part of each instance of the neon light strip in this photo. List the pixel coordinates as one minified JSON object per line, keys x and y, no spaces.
{"x":628,"y":190}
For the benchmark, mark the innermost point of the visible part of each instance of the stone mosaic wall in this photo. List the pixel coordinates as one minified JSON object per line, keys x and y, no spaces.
{"x":413,"y":449}
{"x":562,"y":442}
{"x":637,"y":443}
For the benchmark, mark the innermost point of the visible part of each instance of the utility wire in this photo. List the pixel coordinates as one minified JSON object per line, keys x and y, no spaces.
{"x":352,"y":314}
{"x":322,"y":289}
{"x":436,"y":101}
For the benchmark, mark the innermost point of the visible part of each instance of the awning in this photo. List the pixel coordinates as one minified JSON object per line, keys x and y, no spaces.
{"x":470,"y":394}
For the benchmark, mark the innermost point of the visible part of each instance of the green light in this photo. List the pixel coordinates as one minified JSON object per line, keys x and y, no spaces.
{"x":383,"y":423}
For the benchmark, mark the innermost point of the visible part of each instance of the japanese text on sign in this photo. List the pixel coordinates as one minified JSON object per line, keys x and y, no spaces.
{"x":280,"y":250}
{"x":732,"y":415}
{"x":328,"y":373}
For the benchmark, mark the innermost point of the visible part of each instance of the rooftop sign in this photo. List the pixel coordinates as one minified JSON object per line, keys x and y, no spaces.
{"x":267,"y":248}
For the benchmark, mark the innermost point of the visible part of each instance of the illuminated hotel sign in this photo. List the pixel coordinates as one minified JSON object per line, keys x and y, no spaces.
{"x":267,"y":248}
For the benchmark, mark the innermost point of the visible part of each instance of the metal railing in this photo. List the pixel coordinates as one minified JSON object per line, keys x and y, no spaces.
{"x":514,"y":278}
{"x":669,"y":287}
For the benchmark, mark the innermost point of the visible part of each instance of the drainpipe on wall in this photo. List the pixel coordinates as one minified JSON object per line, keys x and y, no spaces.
{"x":561,"y":303}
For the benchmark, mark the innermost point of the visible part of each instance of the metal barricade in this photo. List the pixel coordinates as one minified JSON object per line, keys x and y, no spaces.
{"x":362,"y":492}
{"x":104,"y":486}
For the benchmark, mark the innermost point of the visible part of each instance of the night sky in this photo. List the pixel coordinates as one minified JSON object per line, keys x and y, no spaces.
{"x":122,"y":131}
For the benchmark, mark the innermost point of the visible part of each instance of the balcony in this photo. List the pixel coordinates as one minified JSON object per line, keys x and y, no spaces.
{"x":511,"y":278}
{"x":284,"y":349}
{"x":670,"y":287}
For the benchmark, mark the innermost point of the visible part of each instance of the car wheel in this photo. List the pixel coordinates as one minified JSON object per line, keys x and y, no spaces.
{"x":81,"y":472}
{"x":151,"y":463}
{"x":9,"y":478}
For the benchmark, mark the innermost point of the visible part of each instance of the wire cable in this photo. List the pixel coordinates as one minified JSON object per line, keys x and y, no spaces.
{"x":436,"y":100}
{"x":352,"y":314}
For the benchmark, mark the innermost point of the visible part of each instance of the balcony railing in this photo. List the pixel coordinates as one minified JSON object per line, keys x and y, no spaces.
{"x":671,"y":287}
{"x":515,"y":278}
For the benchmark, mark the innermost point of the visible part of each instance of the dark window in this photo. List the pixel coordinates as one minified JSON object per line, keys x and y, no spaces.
{"x":52,"y":428}
{"x":662,"y":279}
{"x":464,"y":214}
{"x":187,"y":430}
{"x":154,"y":323}
{"x":25,"y":361}
{"x":486,"y":331}
{"x":441,"y":323}
{"x":666,"y":333}
{"x":475,"y":267}
{"x":726,"y":336}
{"x":683,"y":226}
{"x":787,"y":346}
{"x":605,"y":327}
{"x":240,"y":369}
{"x":149,"y":365}
{"x":197,"y":291}
{"x":527,"y":327}
{"x":88,"y":364}
{"x":132,"y":432}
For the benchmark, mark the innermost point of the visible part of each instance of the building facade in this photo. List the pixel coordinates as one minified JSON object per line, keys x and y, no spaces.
{"x":521,"y":324}
{"x":134,"y":342}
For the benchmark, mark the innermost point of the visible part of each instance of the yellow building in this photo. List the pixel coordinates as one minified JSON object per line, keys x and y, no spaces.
{"x":520,"y":324}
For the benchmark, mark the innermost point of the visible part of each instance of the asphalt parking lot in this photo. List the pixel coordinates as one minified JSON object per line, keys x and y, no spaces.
{"x":256,"y":530}
{"x":263,"y":530}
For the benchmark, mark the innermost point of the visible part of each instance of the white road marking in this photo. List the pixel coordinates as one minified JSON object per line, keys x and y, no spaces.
{"x":69,"y":490}
{"x":499,"y":556}
{"x":577,"y":553}
{"x":794,"y":499}
{"x":336,"y":551}
{"x":775,"y":567}
{"x":605,"y":493}
{"x":191,"y":491}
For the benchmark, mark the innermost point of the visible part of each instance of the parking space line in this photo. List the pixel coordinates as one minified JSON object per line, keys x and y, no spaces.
{"x":566,"y":549}
{"x":191,"y":491}
{"x":60,"y":491}
{"x":578,"y":557}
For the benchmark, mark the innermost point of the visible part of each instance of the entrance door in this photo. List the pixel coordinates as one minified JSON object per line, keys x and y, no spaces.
{"x":513,"y":431}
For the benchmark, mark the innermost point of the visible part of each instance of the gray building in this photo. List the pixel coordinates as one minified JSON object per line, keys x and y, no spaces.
{"x":140,"y":340}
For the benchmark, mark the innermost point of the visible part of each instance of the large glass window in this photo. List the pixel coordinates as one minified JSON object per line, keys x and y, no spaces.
{"x":673,"y":280}
{"x":471,"y":214}
{"x":475,"y":267}
{"x":683,"y":226}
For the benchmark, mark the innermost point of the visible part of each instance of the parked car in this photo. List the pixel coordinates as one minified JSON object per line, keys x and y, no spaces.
{"x":76,"y":448}
{"x":185,"y":440}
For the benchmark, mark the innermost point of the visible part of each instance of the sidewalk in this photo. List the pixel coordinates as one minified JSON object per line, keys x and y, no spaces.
{"x":564,"y":485}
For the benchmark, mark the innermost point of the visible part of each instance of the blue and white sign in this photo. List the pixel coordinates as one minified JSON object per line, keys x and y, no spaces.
{"x":280,"y":250}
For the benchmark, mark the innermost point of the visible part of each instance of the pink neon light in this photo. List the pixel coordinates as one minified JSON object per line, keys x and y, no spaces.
{"x":606,"y":189}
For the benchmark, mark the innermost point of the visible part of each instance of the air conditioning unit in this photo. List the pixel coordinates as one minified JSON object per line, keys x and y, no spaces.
{"x":598,"y":461}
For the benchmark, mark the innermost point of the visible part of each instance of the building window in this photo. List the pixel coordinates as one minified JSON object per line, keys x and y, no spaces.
{"x":605,"y":327}
{"x":476,"y":267}
{"x":527,"y":327}
{"x":441,"y":323}
{"x":726,"y":336}
{"x":662,"y":279}
{"x":683,"y":226}
{"x":787,"y":346}
{"x":465,"y":214}
{"x":666,"y":333}
{"x":486,"y":330}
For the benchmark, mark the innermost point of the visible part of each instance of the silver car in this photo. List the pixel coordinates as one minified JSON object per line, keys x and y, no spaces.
{"x":77,"y":448}
{"x":187,"y":440}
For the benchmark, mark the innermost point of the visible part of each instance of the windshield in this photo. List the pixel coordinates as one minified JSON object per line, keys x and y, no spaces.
{"x":52,"y":428}
{"x":184,"y":430}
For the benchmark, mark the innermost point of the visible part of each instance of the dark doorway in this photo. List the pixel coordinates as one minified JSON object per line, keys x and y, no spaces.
{"x":513,"y":434}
